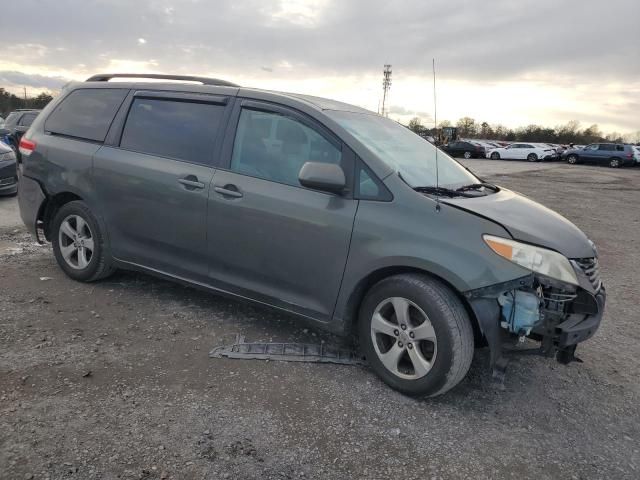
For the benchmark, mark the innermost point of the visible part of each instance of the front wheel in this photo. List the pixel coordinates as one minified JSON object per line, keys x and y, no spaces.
{"x":416,"y":334}
{"x":532,"y":157}
{"x":467,"y":155}
{"x":572,"y":159}
{"x":495,"y":156}
{"x":78,"y":243}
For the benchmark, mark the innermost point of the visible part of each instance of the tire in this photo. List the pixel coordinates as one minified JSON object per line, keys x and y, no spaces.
{"x":572,"y":159}
{"x":438,"y":338}
{"x":94,"y":263}
{"x":495,"y":156}
{"x":532,"y":157}
{"x":467,"y":155}
{"x":615,"y":162}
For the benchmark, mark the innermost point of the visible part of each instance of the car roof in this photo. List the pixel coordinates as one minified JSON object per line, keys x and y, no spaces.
{"x":212,"y":85}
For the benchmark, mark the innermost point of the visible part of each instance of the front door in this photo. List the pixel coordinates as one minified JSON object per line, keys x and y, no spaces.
{"x":153,"y":185}
{"x":269,"y":238}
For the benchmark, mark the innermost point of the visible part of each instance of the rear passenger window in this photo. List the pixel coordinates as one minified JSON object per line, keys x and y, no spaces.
{"x":170,"y":128}
{"x":86,"y":113}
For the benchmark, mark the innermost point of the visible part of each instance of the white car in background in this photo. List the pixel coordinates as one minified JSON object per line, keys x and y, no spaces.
{"x":532,"y":152}
{"x":636,"y":154}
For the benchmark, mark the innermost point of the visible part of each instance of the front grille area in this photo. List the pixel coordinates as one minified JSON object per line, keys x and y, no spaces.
{"x":591,"y":269}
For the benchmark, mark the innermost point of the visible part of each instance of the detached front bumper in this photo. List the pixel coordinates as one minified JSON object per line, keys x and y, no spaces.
{"x":568,"y":315}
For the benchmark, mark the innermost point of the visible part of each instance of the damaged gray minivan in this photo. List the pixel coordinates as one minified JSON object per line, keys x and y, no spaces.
{"x":311,"y":206}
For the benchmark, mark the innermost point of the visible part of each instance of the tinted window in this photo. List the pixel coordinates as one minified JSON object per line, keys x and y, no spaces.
{"x":607,"y":147}
{"x":275,"y":147}
{"x":27,"y":119}
{"x":526,"y":145}
{"x":171,"y":128}
{"x":86,"y":113}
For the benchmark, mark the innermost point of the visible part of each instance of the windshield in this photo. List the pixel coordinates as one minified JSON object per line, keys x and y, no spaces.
{"x":413,"y":157}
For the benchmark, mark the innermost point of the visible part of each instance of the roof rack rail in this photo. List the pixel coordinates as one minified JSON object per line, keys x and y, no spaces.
{"x":105,"y":77}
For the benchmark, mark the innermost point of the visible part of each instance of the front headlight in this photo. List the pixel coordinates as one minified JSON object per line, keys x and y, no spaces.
{"x":7,"y":156}
{"x":537,"y":259}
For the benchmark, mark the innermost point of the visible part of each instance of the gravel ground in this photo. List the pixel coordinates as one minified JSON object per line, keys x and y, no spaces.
{"x":112,"y":380}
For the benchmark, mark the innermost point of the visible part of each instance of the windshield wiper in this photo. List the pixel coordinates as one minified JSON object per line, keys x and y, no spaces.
{"x":477,"y":186}
{"x":443,"y":192}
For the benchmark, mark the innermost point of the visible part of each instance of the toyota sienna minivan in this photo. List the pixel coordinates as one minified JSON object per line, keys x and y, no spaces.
{"x":311,"y":206}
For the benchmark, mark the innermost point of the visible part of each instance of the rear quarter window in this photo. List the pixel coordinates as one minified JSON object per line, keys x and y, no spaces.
{"x":86,"y":113}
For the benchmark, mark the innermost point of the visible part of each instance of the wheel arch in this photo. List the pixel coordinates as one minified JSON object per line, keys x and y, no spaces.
{"x":50,"y":208}
{"x":350,"y":314}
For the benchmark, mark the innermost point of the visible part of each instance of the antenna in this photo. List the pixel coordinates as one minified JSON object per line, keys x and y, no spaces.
{"x":435,"y":126}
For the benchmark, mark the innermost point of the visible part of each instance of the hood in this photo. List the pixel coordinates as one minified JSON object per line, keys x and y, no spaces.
{"x":529,"y":222}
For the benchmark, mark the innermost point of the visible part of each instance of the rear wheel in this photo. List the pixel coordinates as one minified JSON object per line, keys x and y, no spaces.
{"x":572,"y":159}
{"x":416,"y":334}
{"x":78,"y":243}
{"x":532,"y":157}
{"x":615,"y":163}
{"x":467,"y":155}
{"x":495,"y":156}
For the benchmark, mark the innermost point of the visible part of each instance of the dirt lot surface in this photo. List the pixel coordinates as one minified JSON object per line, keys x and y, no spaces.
{"x":112,"y":380}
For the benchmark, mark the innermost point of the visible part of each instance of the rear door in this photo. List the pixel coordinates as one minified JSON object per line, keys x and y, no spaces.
{"x":153,"y":180}
{"x":605,"y":152}
{"x":270,"y":239}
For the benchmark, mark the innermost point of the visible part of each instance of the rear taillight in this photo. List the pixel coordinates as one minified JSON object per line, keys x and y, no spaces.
{"x":26,"y":146}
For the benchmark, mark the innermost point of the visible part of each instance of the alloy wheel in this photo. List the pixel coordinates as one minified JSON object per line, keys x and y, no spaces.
{"x":403,"y":338}
{"x":467,"y":155}
{"x":76,"y":242}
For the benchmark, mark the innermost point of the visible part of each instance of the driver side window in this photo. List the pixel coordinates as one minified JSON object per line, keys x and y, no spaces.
{"x":275,"y":147}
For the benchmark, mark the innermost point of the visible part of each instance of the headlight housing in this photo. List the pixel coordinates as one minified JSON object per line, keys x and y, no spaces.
{"x":537,"y":259}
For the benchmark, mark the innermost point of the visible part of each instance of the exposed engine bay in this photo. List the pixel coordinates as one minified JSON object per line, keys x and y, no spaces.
{"x":557,"y":314}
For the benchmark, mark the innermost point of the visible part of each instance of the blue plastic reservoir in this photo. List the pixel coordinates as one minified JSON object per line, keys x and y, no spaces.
{"x":520,"y":311}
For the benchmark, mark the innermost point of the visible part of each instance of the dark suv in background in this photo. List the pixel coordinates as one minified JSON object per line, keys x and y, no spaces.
{"x":15,"y":125}
{"x":612,"y":154}
{"x":316,"y":207}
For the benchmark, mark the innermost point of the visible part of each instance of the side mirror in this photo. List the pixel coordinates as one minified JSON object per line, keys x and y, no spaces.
{"x":327,"y":177}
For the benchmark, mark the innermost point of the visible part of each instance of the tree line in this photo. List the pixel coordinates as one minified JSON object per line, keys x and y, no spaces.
{"x":570,"y":132}
{"x":10,"y":102}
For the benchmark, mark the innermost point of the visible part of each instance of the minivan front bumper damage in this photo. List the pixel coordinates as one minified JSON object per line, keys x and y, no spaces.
{"x":563,"y":315}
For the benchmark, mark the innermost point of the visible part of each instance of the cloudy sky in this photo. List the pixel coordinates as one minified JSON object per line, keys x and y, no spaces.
{"x":513,"y":62}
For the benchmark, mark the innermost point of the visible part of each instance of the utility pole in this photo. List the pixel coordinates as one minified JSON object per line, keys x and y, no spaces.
{"x":25,"y":97}
{"x":386,"y":84}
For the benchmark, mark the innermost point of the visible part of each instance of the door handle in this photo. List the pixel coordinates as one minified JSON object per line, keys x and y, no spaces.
{"x":191,"y":182}
{"x":228,"y":191}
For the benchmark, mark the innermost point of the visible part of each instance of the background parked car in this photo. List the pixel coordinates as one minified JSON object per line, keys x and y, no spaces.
{"x":613,"y":154}
{"x":8,"y":171}
{"x":636,"y":154}
{"x":464,"y":149}
{"x":523,"y":151}
{"x":16,"y":124}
